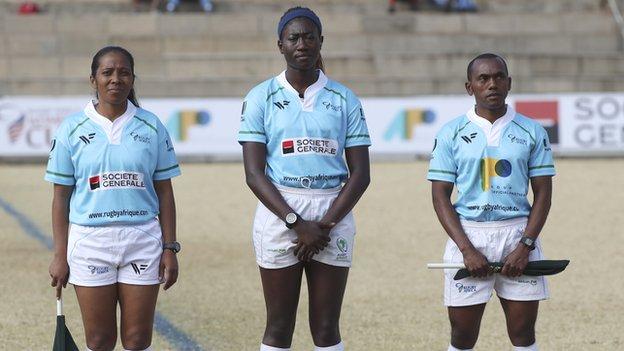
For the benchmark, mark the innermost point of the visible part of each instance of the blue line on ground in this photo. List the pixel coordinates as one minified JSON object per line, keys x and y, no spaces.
{"x":29,"y":227}
{"x":173,"y":335}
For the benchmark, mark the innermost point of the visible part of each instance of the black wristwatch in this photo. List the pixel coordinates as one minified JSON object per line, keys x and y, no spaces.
{"x":173,"y":246}
{"x":530,"y":242}
{"x":291,"y":220}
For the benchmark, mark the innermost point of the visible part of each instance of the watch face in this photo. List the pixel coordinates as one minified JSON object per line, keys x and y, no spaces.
{"x":174,"y":246}
{"x":291,"y":218}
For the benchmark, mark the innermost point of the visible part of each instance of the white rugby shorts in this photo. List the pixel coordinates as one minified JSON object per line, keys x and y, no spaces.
{"x":104,"y":255}
{"x":495,"y":240}
{"x":273,"y":242}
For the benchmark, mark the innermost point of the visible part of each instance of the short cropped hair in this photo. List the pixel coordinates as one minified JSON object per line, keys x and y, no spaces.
{"x":487,"y":55}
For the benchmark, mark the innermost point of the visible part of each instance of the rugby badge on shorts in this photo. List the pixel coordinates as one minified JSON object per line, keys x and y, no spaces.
{"x":343,"y":246}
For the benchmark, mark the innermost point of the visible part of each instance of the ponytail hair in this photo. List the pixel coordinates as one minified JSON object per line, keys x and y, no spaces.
{"x":319,"y":63}
{"x":95,"y":63}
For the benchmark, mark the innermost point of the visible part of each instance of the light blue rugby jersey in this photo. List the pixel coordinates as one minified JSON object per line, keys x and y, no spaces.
{"x":305,"y":138}
{"x":112,"y":165}
{"x":491,"y":163}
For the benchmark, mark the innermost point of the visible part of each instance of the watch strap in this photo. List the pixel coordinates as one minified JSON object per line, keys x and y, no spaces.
{"x":528,"y":241}
{"x":173,"y":246}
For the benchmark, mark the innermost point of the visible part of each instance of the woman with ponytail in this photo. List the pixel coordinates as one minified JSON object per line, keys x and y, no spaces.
{"x":113,"y":211}
{"x":296,"y":131}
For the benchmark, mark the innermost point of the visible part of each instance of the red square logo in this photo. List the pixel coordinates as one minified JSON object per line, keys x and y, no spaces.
{"x":94,"y":182}
{"x":288,"y":147}
{"x":545,"y":112}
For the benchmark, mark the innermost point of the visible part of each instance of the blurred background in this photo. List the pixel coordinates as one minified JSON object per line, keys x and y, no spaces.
{"x":195,"y":61}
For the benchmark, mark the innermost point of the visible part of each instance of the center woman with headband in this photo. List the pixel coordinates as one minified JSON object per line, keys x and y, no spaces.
{"x":111,"y":166}
{"x":294,"y":130}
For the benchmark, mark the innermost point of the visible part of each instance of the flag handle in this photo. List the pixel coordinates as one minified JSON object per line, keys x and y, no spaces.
{"x":59,"y":302}
{"x":445,"y":265}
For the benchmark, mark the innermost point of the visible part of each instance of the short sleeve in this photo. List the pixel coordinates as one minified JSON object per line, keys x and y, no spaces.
{"x":60,"y":168}
{"x":541,"y":160}
{"x":357,"y":131}
{"x":252,"y":119}
{"x":167,"y":164}
{"x":442,"y":164}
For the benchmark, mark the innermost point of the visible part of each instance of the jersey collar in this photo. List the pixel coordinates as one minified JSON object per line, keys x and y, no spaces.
{"x":492,"y":130}
{"x":112,"y":129}
{"x":309,"y":95}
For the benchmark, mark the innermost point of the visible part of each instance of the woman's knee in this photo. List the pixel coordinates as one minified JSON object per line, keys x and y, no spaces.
{"x":136,"y":339}
{"x":101,"y":341}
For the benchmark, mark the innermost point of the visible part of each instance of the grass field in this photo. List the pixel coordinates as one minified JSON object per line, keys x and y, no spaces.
{"x":392,"y":302}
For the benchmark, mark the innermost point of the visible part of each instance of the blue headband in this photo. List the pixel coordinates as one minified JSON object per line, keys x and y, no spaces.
{"x":300,"y":12}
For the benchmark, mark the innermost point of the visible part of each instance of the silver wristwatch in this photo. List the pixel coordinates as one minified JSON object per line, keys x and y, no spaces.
{"x":291,"y":220}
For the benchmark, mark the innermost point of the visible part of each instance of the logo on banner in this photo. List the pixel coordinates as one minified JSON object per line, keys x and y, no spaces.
{"x":403,"y":124}
{"x":545,"y":112}
{"x":491,"y":167}
{"x":181,"y":121}
{"x":30,"y":127}
{"x":16,"y":120}
{"x":116,"y":180}
{"x":598,"y":122}
{"x":309,"y":146}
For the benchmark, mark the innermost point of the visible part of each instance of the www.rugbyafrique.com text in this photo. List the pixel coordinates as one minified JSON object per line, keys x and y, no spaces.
{"x":117,"y":214}
{"x":488,"y":207}
{"x":311,"y":178}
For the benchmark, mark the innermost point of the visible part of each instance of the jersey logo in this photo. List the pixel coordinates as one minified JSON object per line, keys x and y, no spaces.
{"x":309,"y":146}
{"x":468,"y":138}
{"x":546,"y":147}
{"x":337,"y":108}
{"x":140,"y":138}
{"x":281,"y":105}
{"x":242,"y":119}
{"x":491,"y":167}
{"x":87,"y":138}
{"x":514,"y":139}
{"x":116,"y":180}
{"x":288,"y":147}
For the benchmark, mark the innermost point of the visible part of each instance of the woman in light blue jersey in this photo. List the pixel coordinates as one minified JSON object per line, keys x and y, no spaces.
{"x":295,"y":129}
{"x":113,"y":212}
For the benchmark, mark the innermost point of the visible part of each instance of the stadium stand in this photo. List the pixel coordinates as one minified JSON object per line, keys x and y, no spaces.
{"x":552,"y":46}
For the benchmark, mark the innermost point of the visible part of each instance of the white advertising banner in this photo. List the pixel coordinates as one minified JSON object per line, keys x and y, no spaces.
{"x":591,"y":123}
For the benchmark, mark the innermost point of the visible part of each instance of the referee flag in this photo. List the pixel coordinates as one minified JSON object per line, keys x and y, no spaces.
{"x":63,"y":340}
